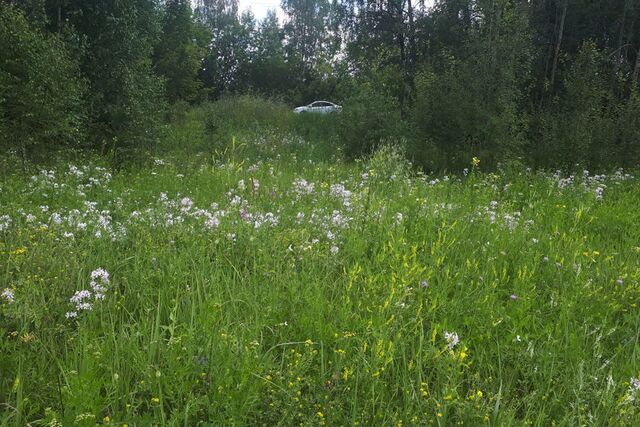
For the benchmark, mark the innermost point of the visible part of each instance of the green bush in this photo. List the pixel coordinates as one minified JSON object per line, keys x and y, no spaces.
{"x":458,"y":116}
{"x":369,"y":118}
{"x":588,"y":125}
{"x":40,"y":93}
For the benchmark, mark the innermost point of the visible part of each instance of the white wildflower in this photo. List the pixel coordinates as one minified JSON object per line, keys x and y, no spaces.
{"x":8,"y":295}
{"x":452,"y":339}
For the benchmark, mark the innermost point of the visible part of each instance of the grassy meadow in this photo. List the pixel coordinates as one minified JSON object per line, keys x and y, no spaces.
{"x":249,"y":276}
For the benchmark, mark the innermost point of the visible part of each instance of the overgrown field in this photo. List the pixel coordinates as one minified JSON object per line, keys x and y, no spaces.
{"x":258,"y":283}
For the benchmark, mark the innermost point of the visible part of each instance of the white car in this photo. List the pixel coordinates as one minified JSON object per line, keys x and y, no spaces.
{"x":322,"y":107}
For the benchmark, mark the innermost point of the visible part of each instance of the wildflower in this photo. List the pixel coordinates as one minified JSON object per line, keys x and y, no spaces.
{"x":452,"y":339}
{"x":80,"y":298}
{"x":634,"y":388}
{"x":155,"y":400}
{"x":8,"y":295}
{"x":398,"y":218}
{"x":302,"y":187}
{"x":211,"y":221}
{"x":83,"y":299}
{"x":619,"y":281}
{"x":186,"y":204}
{"x":5,"y":222}
{"x":334,"y":250}
{"x":99,"y":279}
{"x":463,"y":354}
{"x":339,"y":191}
{"x":599,"y":192}
{"x":424,"y":284}
{"x":513,"y":297}
{"x":55,"y":218}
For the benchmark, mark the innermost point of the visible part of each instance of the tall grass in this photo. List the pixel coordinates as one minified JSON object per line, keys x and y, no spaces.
{"x":267,"y":283}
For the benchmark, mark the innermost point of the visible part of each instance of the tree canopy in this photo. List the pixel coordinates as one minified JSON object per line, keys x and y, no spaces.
{"x":552,"y":83}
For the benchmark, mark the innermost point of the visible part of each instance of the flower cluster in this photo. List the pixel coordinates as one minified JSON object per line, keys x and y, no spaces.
{"x":452,"y":339}
{"x":84,"y":299}
{"x":634,"y":389}
{"x":5,"y":222}
{"x":8,"y":295}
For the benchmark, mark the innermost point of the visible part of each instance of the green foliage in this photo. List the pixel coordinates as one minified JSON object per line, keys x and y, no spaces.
{"x":368,"y":119}
{"x":550,"y":83}
{"x":126,"y":97}
{"x":308,"y":46}
{"x":177,"y":57}
{"x":587,"y":125}
{"x":40,"y":89}
{"x":472,"y":105}
{"x":269,"y":73}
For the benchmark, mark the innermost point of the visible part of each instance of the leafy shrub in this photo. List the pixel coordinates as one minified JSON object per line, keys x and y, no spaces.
{"x":587,"y":125}
{"x":40,"y":93}
{"x":458,"y":115}
{"x":369,"y":117}
{"x":126,"y":105}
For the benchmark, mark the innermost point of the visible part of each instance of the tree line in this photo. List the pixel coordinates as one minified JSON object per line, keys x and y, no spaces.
{"x":548,"y":83}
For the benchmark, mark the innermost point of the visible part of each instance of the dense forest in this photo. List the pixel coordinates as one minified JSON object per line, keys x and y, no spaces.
{"x":546,"y":83}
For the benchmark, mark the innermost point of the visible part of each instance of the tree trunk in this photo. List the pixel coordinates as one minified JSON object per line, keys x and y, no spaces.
{"x":59,"y":18}
{"x":547,"y":61}
{"x":554,"y":68}
{"x":412,"y":35}
{"x":636,"y":69}
{"x":412,"y":57}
